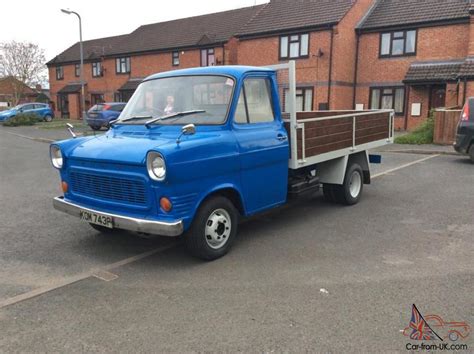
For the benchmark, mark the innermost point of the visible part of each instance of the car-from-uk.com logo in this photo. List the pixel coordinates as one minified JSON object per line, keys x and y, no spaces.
{"x":440,"y":334}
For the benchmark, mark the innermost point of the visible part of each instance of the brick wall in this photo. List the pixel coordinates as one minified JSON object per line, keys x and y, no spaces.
{"x":433,"y":44}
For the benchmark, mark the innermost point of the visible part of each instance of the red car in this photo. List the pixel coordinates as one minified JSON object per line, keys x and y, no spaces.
{"x":451,"y":330}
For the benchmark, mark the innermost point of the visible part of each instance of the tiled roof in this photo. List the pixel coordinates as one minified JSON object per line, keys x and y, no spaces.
{"x":432,"y":72}
{"x":93,"y":49}
{"x":207,"y":29}
{"x":467,"y":69}
{"x":130,"y":85}
{"x":71,"y":88}
{"x":281,"y":15}
{"x":187,"y":32}
{"x":387,"y":13}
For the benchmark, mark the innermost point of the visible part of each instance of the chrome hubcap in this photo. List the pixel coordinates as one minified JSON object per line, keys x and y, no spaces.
{"x":355,"y":184}
{"x":218,"y":228}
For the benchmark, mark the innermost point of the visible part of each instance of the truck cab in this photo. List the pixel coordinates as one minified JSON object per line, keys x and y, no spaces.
{"x":192,"y":152}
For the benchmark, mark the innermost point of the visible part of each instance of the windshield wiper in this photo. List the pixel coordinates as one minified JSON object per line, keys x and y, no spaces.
{"x":174,"y":115}
{"x":130,"y":119}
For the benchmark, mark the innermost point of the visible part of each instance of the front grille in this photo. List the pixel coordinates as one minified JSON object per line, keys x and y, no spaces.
{"x":108,"y":188}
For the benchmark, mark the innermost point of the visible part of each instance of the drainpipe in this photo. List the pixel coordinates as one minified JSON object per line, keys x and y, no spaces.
{"x":354,"y":86}
{"x":464,"y":92}
{"x":330,"y":68}
{"x":407,"y":106}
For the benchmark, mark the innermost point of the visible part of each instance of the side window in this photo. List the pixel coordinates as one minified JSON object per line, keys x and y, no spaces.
{"x":255,"y":102}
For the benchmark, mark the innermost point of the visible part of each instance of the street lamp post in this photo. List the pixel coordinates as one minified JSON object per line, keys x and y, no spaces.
{"x":83,"y":97}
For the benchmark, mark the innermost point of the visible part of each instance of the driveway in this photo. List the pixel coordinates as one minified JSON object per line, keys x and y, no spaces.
{"x":310,"y":276}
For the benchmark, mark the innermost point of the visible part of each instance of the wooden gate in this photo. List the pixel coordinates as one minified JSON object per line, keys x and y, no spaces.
{"x":445,"y":126}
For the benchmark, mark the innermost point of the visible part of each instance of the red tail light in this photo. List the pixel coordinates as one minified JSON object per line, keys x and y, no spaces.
{"x":107,"y":107}
{"x":465,"y":112}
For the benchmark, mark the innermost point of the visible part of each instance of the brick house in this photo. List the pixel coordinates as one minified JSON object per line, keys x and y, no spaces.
{"x":114,"y":66}
{"x":13,"y":91}
{"x":407,"y":55}
{"x":410,"y":55}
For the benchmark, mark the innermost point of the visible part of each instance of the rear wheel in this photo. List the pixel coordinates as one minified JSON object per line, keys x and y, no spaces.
{"x":351,"y":190}
{"x":48,"y":118}
{"x":95,"y":127}
{"x":213,"y":230}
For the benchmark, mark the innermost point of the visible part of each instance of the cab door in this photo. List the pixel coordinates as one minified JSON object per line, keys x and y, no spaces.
{"x":263,"y":144}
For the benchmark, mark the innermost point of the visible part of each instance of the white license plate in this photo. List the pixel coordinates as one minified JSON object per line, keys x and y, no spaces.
{"x":97,"y":219}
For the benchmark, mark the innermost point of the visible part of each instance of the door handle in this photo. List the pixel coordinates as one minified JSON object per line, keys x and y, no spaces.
{"x":281,"y":137}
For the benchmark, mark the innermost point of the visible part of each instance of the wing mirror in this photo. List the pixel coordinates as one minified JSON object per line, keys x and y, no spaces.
{"x":189,"y":129}
{"x":70,"y":128}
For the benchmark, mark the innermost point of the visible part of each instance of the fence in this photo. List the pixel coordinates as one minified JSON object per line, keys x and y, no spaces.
{"x":445,"y":125}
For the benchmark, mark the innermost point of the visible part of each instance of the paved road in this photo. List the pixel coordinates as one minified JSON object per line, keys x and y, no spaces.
{"x":410,"y":240}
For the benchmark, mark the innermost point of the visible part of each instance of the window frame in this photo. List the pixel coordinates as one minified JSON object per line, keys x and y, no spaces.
{"x":77,"y":70}
{"x":393,"y":95}
{"x":94,"y":69}
{"x":128,"y":65}
{"x":248,"y":122}
{"x":289,"y":41}
{"x":391,"y":40}
{"x":286,"y":90}
{"x":94,"y":98}
{"x":175,"y":56}
{"x":208,"y":54}
{"x":59,"y":72}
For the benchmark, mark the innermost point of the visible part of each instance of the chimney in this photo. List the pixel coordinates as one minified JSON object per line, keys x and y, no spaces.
{"x":471,"y":30}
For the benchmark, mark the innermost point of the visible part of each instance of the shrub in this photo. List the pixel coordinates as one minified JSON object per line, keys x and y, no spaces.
{"x":421,"y":135}
{"x":22,"y":119}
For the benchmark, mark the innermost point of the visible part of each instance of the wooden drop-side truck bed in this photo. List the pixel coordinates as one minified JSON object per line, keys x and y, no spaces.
{"x":328,"y":143}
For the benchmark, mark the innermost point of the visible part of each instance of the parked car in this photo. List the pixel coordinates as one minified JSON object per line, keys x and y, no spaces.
{"x":100,"y":115}
{"x":196,"y":149}
{"x":465,"y":135}
{"x":42,"y":110}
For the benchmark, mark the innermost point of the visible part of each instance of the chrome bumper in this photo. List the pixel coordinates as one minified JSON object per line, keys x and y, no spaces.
{"x":124,"y":222}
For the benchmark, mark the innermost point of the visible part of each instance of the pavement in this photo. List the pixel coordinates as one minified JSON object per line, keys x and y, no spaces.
{"x":310,"y":276}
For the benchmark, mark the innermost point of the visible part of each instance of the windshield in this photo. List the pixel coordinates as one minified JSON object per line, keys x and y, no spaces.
{"x":184,"y":99}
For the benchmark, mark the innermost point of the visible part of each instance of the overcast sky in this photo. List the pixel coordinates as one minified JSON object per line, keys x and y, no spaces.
{"x":41,"y":22}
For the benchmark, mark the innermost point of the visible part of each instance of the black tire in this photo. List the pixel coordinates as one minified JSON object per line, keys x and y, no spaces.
{"x":471,"y":153}
{"x":102,"y":229}
{"x":351,"y":191}
{"x":48,"y":118}
{"x":94,"y":127}
{"x":207,"y":217}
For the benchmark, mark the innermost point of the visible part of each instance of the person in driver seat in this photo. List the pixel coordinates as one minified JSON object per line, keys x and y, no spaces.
{"x":169,"y":109}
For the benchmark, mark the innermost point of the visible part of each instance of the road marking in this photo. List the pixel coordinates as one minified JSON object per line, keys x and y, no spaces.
{"x":74,"y":279}
{"x":105,"y":276}
{"x":405,"y":166}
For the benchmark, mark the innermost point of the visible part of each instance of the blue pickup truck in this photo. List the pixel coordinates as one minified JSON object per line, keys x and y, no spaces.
{"x":196,"y":149}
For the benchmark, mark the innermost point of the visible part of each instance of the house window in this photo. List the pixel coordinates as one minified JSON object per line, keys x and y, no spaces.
{"x":59,"y":73}
{"x":294,"y":46}
{"x":208,"y":57}
{"x":388,"y":98}
{"x":399,"y":43}
{"x":117,"y":97}
{"x":255,"y":102}
{"x":304,"y":99}
{"x":77,"y":70}
{"x":122,"y":65}
{"x":97,"y":69}
{"x":175,"y":58}
{"x":97,"y":98}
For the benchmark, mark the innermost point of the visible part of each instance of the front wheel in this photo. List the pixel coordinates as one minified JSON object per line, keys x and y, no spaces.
{"x":48,"y":118}
{"x":213,"y":230}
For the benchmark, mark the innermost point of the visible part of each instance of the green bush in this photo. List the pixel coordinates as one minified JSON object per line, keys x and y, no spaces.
{"x":21,"y":119}
{"x":421,"y":135}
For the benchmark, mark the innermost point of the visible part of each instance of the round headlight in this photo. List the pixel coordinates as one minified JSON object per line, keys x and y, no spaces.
{"x":156,"y":166}
{"x":56,"y":156}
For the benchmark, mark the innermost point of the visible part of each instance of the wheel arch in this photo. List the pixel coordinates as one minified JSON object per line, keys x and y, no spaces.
{"x":228,"y":191}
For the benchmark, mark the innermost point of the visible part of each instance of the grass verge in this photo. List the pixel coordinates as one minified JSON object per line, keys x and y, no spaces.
{"x":421,"y":135}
